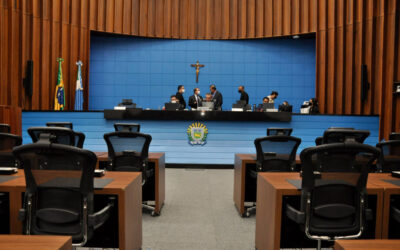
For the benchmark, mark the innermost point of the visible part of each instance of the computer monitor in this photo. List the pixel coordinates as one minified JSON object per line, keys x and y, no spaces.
{"x":209,"y":105}
{"x":172,"y":106}
{"x":60,"y":124}
{"x":279,"y":131}
{"x":394,"y":136}
{"x":241,"y":102}
{"x":127,"y":103}
{"x":268,"y":106}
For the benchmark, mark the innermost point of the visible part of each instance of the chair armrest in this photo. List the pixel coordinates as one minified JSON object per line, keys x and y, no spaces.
{"x":295,"y":215}
{"x":98,"y":219}
{"x":395,"y":213}
{"x":368,"y":214}
{"x":22,"y":214}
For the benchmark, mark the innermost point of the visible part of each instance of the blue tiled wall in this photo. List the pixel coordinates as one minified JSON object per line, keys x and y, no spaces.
{"x":223,"y":141}
{"x":149,"y":70}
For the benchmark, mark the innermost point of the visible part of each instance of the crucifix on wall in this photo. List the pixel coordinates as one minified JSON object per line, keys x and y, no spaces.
{"x":197,"y":66}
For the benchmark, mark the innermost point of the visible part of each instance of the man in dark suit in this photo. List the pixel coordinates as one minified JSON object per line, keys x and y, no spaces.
{"x":216,"y":97}
{"x":179,"y":96}
{"x":195,"y":100}
{"x":243,"y":95}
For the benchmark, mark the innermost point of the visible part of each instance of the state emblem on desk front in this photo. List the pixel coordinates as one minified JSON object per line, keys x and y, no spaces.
{"x":197,"y":134}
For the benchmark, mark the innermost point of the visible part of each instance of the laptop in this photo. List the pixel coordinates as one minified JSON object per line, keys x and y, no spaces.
{"x":172,"y":106}
{"x":209,"y":105}
{"x":268,"y":106}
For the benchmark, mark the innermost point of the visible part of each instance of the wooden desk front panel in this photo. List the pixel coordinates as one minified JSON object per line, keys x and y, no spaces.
{"x":125,"y":185}
{"x":35,"y":242}
{"x":367,"y":244}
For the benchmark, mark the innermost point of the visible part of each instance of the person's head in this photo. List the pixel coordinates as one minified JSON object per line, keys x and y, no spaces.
{"x":265,"y":100}
{"x":208,"y":97}
{"x":240,"y":88}
{"x":286,"y":103}
{"x":196,"y":91}
{"x":274,"y":94}
{"x":213,"y":88}
{"x":313,"y":101}
{"x":181,"y":89}
{"x":173,"y":99}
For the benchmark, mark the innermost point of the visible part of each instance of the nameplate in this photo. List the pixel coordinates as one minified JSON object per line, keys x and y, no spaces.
{"x":119,"y":108}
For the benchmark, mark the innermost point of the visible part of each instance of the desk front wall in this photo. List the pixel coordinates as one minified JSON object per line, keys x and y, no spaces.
{"x":223,"y":141}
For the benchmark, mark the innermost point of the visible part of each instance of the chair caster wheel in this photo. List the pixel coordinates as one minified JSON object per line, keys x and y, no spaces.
{"x":154,"y":214}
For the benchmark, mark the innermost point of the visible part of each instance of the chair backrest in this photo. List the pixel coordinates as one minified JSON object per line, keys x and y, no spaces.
{"x":390,"y":156}
{"x":128,"y":151}
{"x":279,"y":131}
{"x":130,"y":127}
{"x":7,"y":143}
{"x":276,"y":153}
{"x":394,"y":136}
{"x":334,"y":135}
{"x":79,"y":139}
{"x":5,"y":128}
{"x":59,"y":188}
{"x":60,"y":124}
{"x":334,"y":200}
{"x":59,"y":135}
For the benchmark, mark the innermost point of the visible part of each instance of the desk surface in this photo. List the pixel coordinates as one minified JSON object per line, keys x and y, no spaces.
{"x":366,"y":244}
{"x":35,"y":242}
{"x":185,"y":115}
{"x":252,"y":158}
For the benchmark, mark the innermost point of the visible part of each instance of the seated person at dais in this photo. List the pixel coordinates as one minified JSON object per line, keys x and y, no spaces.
{"x":285,"y":107}
{"x":172,"y":99}
{"x":260,"y":106}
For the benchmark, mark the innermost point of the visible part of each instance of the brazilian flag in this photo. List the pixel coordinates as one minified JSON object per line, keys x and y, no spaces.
{"x":59,"y":100}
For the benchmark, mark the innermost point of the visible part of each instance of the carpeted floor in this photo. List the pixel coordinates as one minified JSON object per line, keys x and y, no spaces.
{"x":198,"y":214}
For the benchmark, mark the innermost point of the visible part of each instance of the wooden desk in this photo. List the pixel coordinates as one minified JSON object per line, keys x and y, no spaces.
{"x":127,"y":186}
{"x":366,"y":244}
{"x":271,"y":187}
{"x":239,"y":181}
{"x":35,"y":242}
{"x":159,"y":162}
{"x":389,"y":190}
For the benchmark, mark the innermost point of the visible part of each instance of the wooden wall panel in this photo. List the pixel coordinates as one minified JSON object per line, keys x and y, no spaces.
{"x":348,"y":34}
{"x":12,"y":116}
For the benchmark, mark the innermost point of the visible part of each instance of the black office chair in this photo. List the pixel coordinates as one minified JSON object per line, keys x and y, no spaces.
{"x":279,"y":131}
{"x":130,"y":127}
{"x":394,"y":136}
{"x":59,"y":135}
{"x":334,"y":135}
{"x":334,"y":201}
{"x":59,"y":191}
{"x":60,"y":124}
{"x":79,"y":136}
{"x":7,"y":143}
{"x":5,"y":128}
{"x":128,"y":151}
{"x":389,"y":159}
{"x":276,"y":153}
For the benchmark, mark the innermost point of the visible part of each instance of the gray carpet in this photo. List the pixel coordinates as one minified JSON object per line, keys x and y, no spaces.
{"x":198,"y":214}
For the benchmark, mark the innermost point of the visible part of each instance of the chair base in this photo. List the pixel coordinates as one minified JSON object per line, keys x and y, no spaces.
{"x":151,"y":209}
{"x":250,"y":210}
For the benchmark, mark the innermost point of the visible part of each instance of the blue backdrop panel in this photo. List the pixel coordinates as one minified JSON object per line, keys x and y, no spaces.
{"x":149,"y":70}
{"x":223,"y":141}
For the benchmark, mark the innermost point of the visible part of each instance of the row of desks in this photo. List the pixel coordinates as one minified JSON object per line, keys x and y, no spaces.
{"x":272,"y":187}
{"x":127,"y":186}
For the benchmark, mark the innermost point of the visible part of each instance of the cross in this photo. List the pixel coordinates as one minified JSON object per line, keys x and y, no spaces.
{"x":197,"y":66}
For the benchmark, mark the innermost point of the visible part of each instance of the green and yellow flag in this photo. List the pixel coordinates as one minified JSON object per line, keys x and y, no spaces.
{"x":59,"y":100}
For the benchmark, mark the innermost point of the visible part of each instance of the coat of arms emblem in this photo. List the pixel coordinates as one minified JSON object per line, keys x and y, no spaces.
{"x":197,"y":134}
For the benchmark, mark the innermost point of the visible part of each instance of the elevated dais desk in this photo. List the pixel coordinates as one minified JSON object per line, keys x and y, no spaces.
{"x":272,"y":187}
{"x":35,"y":242}
{"x":186,"y":115}
{"x":127,"y":186}
{"x":239,"y":182}
{"x":158,"y":159}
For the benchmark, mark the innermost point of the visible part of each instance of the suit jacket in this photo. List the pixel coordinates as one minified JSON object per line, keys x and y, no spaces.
{"x":217,"y":99}
{"x":182,"y":101}
{"x":192,"y":101}
{"x":244,"y":97}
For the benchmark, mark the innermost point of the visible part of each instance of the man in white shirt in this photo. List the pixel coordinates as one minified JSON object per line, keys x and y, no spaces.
{"x":272,"y":96}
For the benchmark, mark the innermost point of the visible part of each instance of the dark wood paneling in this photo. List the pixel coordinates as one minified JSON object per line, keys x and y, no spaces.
{"x":349,"y":33}
{"x":11,"y":115}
